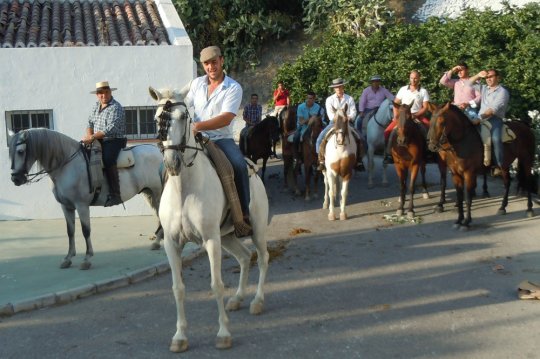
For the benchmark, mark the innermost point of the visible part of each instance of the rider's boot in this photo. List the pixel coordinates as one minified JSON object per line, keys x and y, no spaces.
{"x":359,"y":152}
{"x":114,"y":187}
{"x":322,"y":150}
{"x":388,"y":150}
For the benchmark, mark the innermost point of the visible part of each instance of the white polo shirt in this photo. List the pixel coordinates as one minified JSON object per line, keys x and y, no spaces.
{"x":333,"y":102}
{"x":417,"y":97}
{"x":227,"y":97}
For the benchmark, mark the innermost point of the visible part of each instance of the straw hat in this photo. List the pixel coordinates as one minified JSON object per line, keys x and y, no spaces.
{"x":338,"y":82}
{"x":103,"y":85}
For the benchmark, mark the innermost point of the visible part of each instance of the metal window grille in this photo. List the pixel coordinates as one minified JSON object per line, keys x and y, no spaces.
{"x":22,"y":120}
{"x":140,"y":123}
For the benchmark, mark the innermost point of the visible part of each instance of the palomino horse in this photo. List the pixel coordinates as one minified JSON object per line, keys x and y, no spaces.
{"x":409,"y":149}
{"x":62,"y":158}
{"x":259,"y":144}
{"x":375,"y":138}
{"x":451,"y":132}
{"x":309,"y":155}
{"x":287,"y":120}
{"x":340,"y":159}
{"x":194,"y":208}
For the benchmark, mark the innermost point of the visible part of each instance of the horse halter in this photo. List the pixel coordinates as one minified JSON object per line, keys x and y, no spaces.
{"x":164,"y":124}
{"x":438,"y":143}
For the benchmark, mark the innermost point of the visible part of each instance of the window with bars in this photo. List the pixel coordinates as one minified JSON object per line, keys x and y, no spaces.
{"x":22,"y":120}
{"x":140,"y":123}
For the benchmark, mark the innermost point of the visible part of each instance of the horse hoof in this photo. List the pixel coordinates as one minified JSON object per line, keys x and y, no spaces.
{"x":316,"y":196}
{"x":501,"y":212}
{"x":438,"y":209}
{"x":85,"y":265}
{"x":65,"y":264}
{"x":223,"y":342}
{"x":530,"y":214}
{"x":342,"y":216}
{"x":233,"y":304}
{"x":178,"y":346}
{"x":331,"y":217}
{"x":307,"y":198}
{"x":325,"y":205}
{"x":425,"y":196}
{"x":256,"y":307}
{"x":155,"y":246}
{"x":410,"y":215}
{"x":399,"y":212}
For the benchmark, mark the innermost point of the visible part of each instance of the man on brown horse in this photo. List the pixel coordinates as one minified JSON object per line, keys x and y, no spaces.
{"x":418,"y":98}
{"x":492,"y":110}
{"x":305,"y":111}
{"x":339,"y":100}
{"x":466,"y":95}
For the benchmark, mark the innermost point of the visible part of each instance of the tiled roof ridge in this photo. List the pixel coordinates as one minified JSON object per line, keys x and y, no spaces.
{"x":57,"y":23}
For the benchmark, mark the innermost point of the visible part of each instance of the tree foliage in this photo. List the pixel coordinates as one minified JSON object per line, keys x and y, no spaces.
{"x":239,"y":27}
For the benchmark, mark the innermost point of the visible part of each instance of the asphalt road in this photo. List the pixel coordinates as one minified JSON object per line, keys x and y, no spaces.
{"x":361,"y":288}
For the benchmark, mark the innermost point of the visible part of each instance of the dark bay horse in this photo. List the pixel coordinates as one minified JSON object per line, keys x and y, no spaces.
{"x":260,"y":141}
{"x":309,"y":155}
{"x":287,"y":123}
{"x":409,"y":149}
{"x":451,"y":132}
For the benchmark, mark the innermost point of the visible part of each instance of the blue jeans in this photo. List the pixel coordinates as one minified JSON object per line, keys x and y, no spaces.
{"x":323,"y":133}
{"x":496,"y":137}
{"x":471,"y":113}
{"x":110,"y":148}
{"x":241,"y":179}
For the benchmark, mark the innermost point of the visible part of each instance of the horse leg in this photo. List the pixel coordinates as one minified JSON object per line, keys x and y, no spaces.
{"x":331,"y":195}
{"x":315,"y":183}
{"x":343,"y":201}
{"x":213,"y":248}
{"x":259,"y":240}
{"x":153,"y":201}
{"x":425,"y":195}
{"x":402,"y":174}
{"x":173,"y":249}
{"x":485,"y":193}
{"x":265,"y":159}
{"x":506,"y":181}
{"x":458,"y":184}
{"x":439,"y":208}
{"x":243,"y":255}
{"x":69,"y":214}
{"x":325,"y":179}
{"x":307,"y":178}
{"x":84,"y":216}
{"x":370,"y":167}
{"x":412,"y":188}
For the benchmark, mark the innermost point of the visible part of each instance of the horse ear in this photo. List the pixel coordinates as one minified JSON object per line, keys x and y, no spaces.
{"x":184,"y":90}
{"x":447,"y":106}
{"x":346,"y":108}
{"x":154,"y":93}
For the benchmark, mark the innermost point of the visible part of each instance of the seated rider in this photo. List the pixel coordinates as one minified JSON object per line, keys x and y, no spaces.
{"x":215,"y":98}
{"x":304,"y":112}
{"x":252,"y":115}
{"x":493,"y":106}
{"x":466,"y":94}
{"x":338,"y":100}
{"x":107,"y":124}
{"x":369,"y":103}
{"x":418,"y":97}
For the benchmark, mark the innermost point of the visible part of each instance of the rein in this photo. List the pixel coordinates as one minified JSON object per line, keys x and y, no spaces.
{"x":165,"y":125}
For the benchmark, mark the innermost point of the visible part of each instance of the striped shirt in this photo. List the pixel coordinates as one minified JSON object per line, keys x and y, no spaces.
{"x":252,"y":114}
{"x":111,"y":120}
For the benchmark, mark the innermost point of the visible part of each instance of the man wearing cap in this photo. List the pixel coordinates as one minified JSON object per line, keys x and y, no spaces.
{"x":466,"y":94}
{"x":338,"y":100}
{"x":369,"y":102}
{"x":107,"y":124}
{"x":216,"y":98}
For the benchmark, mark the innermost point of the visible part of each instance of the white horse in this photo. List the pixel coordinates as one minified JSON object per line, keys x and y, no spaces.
{"x":375,"y":138}
{"x":62,"y":158}
{"x":194,"y":208}
{"x":340,"y":159}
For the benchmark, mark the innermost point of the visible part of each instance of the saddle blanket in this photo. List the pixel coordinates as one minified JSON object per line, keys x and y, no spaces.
{"x":507,"y":134}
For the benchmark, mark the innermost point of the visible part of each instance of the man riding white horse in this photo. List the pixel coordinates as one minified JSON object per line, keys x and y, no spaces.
{"x":216,"y":99}
{"x":369,"y":103}
{"x":334,"y":102}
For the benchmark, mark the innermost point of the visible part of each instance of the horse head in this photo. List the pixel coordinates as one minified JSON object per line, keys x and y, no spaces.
{"x":174,"y":127}
{"x":448,"y":124}
{"x":21,"y":162}
{"x":287,"y":120}
{"x":341,"y":125}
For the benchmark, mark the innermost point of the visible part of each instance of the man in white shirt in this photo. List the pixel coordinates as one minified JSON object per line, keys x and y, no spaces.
{"x":216,"y":99}
{"x":338,"y":100}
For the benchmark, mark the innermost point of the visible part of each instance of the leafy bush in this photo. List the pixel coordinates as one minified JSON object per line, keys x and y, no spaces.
{"x":239,"y":27}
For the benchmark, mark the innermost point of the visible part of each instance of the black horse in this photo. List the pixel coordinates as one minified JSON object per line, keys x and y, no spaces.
{"x":257,"y":142}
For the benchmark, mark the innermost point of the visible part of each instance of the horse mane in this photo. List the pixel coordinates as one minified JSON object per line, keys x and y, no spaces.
{"x":49,"y":148}
{"x":266,"y":124}
{"x":341,"y":121}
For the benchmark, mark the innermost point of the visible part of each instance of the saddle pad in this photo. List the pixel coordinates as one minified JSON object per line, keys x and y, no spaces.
{"x":95,"y":167}
{"x":507,"y":134}
{"x":252,"y":167}
{"x":125,"y":158}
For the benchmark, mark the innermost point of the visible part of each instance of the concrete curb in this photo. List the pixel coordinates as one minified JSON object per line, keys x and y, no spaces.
{"x":70,"y":295}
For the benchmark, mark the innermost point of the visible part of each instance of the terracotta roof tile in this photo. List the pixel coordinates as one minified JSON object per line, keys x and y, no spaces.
{"x":45,"y":23}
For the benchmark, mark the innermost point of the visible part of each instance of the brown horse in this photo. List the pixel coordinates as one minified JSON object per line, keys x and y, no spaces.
{"x":451,"y":132}
{"x":409,"y":149}
{"x":259,"y":143}
{"x":309,"y":155}
{"x":287,"y":123}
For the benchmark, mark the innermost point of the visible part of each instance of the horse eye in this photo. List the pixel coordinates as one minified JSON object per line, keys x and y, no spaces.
{"x":20,"y":151}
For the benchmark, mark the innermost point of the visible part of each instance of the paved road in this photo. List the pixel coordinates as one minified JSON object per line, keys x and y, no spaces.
{"x":363,"y":288}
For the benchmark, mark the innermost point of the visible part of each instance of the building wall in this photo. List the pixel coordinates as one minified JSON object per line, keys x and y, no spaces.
{"x":61,"y":79}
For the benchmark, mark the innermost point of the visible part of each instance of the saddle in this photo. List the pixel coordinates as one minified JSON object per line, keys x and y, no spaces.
{"x":507,"y":134}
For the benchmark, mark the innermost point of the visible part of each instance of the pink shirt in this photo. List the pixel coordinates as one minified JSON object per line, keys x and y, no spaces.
{"x":464,"y":91}
{"x":371,"y":99}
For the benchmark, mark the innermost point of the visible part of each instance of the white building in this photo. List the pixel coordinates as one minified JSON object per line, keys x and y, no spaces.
{"x":53,"y":52}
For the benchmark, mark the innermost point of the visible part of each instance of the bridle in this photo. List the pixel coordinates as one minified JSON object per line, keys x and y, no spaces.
{"x":377,"y":121}
{"x":164,"y":124}
{"x":442,"y":143}
{"x":31,"y":177}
